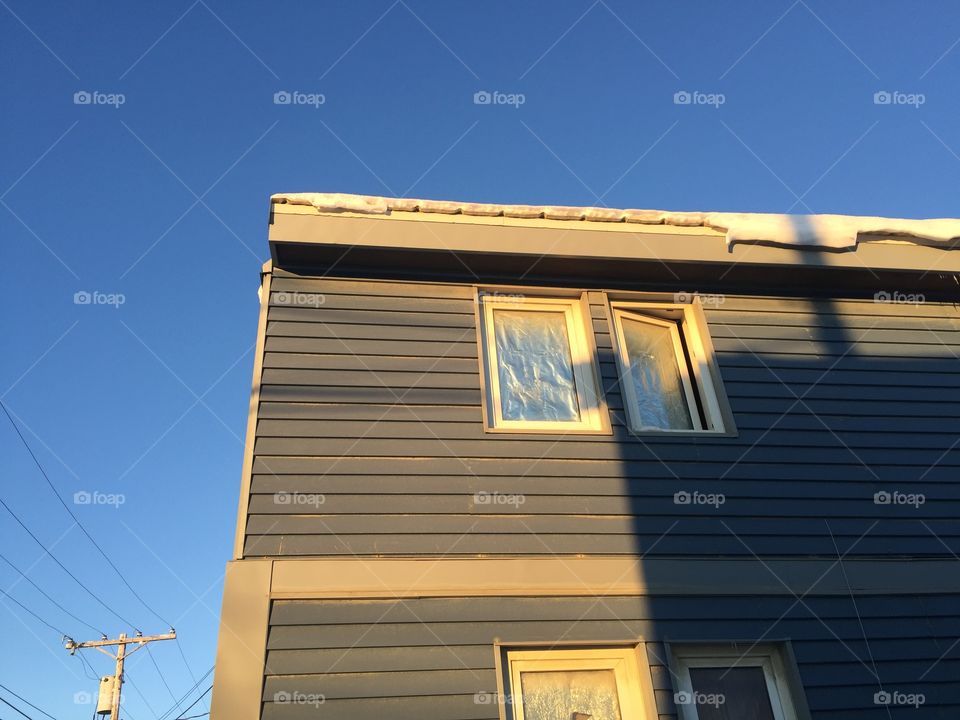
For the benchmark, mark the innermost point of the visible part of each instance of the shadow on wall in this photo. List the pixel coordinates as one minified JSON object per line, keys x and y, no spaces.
{"x":848,"y":416}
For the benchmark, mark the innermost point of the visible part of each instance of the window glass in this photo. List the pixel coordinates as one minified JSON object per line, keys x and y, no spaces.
{"x":535,"y":366}
{"x":743,"y":691}
{"x":657,"y":383}
{"x":570,"y":695}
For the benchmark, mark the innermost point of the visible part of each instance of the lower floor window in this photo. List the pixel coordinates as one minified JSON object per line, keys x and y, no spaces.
{"x":723,"y":683}
{"x":577,"y":684}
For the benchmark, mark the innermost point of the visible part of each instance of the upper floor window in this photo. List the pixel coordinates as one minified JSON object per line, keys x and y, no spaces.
{"x":665,"y":368}
{"x":541,"y":367}
{"x":539,"y":364}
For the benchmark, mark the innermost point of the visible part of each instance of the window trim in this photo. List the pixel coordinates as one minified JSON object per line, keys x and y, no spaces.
{"x":594,"y":417}
{"x":703,"y":384}
{"x":631,"y":673}
{"x":769,"y":658}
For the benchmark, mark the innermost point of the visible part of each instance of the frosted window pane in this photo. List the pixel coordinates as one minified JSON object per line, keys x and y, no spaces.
{"x":744,"y":693}
{"x":536,"y":370}
{"x":571,"y":694}
{"x":661,"y":402}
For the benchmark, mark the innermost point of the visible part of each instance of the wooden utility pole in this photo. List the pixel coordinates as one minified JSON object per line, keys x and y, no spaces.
{"x":121,"y":642}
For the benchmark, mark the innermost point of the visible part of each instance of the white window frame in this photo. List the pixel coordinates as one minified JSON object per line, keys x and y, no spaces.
{"x":623,"y":661}
{"x":766,"y":658}
{"x":582,"y":356}
{"x":681,"y":318}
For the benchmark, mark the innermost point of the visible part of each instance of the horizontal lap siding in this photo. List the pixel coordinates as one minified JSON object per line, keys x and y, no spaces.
{"x":435,"y":657}
{"x":370,"y":427}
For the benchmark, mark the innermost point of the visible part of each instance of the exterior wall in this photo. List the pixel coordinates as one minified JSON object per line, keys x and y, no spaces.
{"x":371,"y":402}
{"x":369,"y":573}
{"x":435,"y":657}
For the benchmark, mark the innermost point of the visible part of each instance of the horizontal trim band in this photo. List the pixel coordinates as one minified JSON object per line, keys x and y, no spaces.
{"x":552,"y":576}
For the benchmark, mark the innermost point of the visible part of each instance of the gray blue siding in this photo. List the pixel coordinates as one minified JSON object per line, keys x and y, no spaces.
{"x":371,"y":398}
{"x":417,"y":658}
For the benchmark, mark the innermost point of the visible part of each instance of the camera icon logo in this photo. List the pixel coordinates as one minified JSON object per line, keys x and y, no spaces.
{"x":483,"y":698}
{"x":682,"y":498}
{"x":82,"y":297}
{"x":82,"y":497}
{"x":82,"y":97}
{"x":882,"y":498}
{"x":882,"y":97}
{"x":482,"y":97}
{"x":282,"y":97}
{"x":682,"y":97}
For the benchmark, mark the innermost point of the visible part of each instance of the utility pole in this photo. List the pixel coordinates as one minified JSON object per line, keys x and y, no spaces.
{"x":121,"y":643}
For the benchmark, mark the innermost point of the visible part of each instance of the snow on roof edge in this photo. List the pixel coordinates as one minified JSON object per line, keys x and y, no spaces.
{"x":829,"y":232}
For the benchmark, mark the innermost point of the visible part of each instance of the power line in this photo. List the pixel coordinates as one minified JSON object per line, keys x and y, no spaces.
{"x":77,"y":520}
{"x":64,"y":567}
{"x":129,"y":677}
{"x":91,"y":673}
{"x":16,"y":708}
{"x":23,"y":700}
{"x":187,"y":694}
{"x":180,"y":716}
{"x":183,"y":655}
{"x":26,"y":609}
{"x":90,"y":537}
{"x":162,"y":678}
{"x":41,"y":591}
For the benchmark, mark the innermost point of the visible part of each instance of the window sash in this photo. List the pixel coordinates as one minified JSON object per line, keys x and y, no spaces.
{"x":692,"y":348}
{"x":680,"y":357}
{"x":581,"y":358}
{"x":777,"y":691}
{"x":622,"y":661}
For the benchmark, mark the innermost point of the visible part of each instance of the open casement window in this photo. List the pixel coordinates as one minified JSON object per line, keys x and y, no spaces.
{"x":539,"y":365}
{"x":665,"y":369}
{"x":721,"y":684}
{"x":580,"y":684}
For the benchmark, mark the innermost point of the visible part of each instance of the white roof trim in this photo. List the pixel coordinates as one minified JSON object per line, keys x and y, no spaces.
{"x":832,"y":232}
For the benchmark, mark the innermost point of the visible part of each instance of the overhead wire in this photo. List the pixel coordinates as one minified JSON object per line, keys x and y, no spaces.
{"x":180,"y":716}
{"x":70,"y":512}
{"x":176,"y":705}
{"x":64,"y":567}
{"x":42,"y":592}
{"x":129,"y":678}
{"x":88,"y":669}
{"x":27,"y":702}
{"x":90,"y":537}
{"x":16,"y":708}
{"x":162,"y":678}
{"x":37,"y":617}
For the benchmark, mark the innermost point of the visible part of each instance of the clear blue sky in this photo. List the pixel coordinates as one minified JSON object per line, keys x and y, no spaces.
{"x":163,"y":199}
